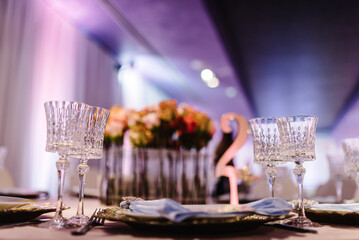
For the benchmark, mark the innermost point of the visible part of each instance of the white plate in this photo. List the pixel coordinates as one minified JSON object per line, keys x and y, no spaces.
{"x":349,"y":207}
{"x":7,"y":203}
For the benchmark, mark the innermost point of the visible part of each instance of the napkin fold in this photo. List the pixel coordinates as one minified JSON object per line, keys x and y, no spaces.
{"x":167,"y":208}
{"x":271,"y":206}
{"x":174,"y":211}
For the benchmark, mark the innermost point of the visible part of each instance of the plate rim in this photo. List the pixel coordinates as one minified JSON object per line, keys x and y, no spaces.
{"x":341,"y":211}
{"x":117,"y":214}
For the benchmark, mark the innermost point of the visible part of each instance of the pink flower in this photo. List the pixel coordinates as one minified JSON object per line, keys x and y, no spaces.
{"x":133,"y":118}
{"x":151,"y":120}
{"x":114,"y":128}
{"x":117,"y":122}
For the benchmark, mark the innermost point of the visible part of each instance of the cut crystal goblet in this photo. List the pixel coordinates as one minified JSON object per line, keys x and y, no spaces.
{"x":336,"y":169}
{"x":351,"y":151}
{"x":92,"y":148}
{"x":66,"y":123}
{"x":298,"y":142}
{"x":266,"y":146}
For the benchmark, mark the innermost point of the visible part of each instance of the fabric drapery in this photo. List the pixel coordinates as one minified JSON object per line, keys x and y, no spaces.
{"x":43,"y":57}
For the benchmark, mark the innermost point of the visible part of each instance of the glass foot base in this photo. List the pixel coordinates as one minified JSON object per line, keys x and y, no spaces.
{"x":57,"y":223}
{"x":77,"y":221}
{"x":302,"y":222}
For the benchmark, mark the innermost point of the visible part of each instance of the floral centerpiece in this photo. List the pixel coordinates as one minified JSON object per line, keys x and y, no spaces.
{"x":167,"y":126}
{"x":154,"y":126}
{"x":166,"y":141}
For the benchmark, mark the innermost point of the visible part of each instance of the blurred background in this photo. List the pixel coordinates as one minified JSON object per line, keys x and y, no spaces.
{"x":253,"y":58}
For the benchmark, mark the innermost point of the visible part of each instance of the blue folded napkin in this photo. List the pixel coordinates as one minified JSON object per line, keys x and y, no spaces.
{"x":163,"y":207}
{"x":271,"y":206}
{"x":176,"y":212}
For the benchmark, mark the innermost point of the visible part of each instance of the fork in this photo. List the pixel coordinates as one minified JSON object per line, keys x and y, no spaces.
{"x":93,"y":221}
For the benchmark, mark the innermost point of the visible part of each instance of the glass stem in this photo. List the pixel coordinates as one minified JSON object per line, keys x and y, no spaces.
{"x":339,"y":188}
{"x":82,"y":169}
{"x":299,"y":172}
{"x":62,"y":165}
{"x":271,"y":173}
{"x":356,"y":194}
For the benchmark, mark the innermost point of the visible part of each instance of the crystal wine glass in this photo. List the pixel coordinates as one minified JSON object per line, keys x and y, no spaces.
{"x":92,"y":149}
{"x":266,"y":146}
{"x":298,"y":141}
{"x":336,"y":167}
{"x":351,"y":150}
{"x":66,"y":123}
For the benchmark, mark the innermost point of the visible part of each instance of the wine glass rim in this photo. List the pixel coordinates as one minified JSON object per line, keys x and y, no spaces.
{"x":66,"y":102}
{"x":298,"y":115}
{"x":100,"y":108}
{"x":262,"y":118}
{"x":345,"y":140}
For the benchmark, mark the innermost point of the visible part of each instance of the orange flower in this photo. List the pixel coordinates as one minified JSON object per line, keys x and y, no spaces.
{"x":117,"y":122}
{"x":118,"y":113}
{"x":168,"y":110}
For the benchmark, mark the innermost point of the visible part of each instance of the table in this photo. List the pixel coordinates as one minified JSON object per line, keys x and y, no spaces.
{"x":116,"y":230}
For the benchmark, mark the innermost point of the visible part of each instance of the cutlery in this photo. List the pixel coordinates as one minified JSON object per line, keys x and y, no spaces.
{"x":93,"y":221}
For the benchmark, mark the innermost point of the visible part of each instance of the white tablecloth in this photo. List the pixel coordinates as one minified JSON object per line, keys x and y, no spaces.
{"x":117,"y":230}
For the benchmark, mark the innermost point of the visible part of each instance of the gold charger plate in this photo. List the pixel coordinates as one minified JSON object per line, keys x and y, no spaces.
{"x":332,"y":216}
{"x":27,"y":212}
{"x":347,"y":214}
{"x":207,"y":224}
